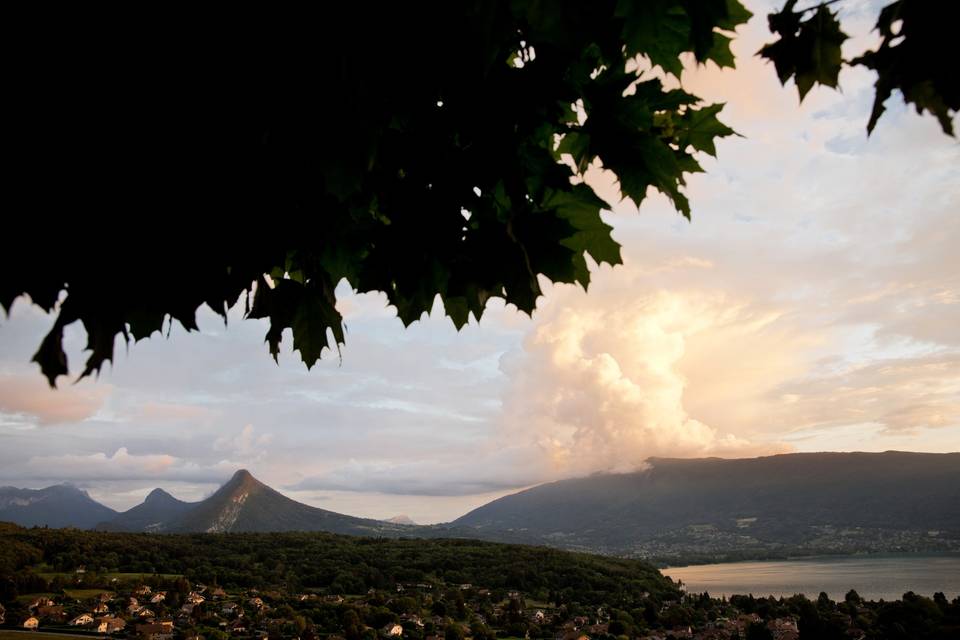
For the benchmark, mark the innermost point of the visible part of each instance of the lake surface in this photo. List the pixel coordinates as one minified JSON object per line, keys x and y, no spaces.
{"x":874,"y":577}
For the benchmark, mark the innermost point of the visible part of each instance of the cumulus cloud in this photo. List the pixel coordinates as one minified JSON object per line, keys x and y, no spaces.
{"x":244,"y":445}
{"x":599,"y":383}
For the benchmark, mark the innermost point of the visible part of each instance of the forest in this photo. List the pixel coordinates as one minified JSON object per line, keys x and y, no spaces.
{"x":309,"y":586}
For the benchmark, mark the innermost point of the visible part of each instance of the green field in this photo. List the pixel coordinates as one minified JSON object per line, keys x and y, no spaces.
{"x":30,"y":597}
{"x":84,"y":594}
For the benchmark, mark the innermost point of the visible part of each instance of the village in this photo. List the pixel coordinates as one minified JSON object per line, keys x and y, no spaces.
{"x":412,"y":611}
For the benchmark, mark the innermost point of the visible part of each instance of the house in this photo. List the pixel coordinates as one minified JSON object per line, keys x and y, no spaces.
{"x":238,"y":626}
{"x":110,"y":625}
{"x":143,"y":590}
{"x":145,"y":613}
{"x":101,"y":607}
{"x":3,"y":614}
{"x":31,"y":623}
{"x":188,"y":608}
{"x":81,"y":620}
{"x":156,"y":630}
{"x":786,"y":629}
{"x":81,"y":570}
{"x":40,"y":602}
{"x":195,"y":598}
{"x":392,"y":630}
{"x":255,"y":602}
{"x":159,"y":596}
{"x":230,"y":608}
{"x":52,"y":612}
{"x":412,"y":619}
{"x":218,"y":593}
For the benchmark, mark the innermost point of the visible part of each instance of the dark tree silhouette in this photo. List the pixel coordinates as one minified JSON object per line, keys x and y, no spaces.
{"x":415,"y":149}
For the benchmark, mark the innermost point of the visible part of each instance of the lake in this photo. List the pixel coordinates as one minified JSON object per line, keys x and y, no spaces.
{"x":874,"y":577}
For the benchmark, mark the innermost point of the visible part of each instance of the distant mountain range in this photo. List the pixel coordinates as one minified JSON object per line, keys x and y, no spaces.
{"x":795,"y":503}
{"x":818,"y":502}
{"x":61,"y":505}
{"x":242,"y":504}
{"x":157,"y":510}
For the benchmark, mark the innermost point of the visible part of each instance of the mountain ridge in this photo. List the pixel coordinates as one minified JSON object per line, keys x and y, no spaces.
{"x":781,"y":500}
{"x":804,"y":503}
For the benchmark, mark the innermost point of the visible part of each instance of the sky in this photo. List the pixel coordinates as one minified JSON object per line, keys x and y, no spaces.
{"x":812,"y":304}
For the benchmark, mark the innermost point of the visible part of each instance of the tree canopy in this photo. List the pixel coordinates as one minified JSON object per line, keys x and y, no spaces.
{"x":417,"y":150}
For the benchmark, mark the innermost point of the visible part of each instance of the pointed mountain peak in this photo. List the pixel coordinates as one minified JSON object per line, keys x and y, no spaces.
{"x":158,"y":495}
{"x":242,"y":476}
{"x":242,"y":480}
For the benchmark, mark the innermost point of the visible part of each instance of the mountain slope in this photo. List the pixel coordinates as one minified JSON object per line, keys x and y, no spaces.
{"x":157,"y":509}
{"x":786,"y":499}
{"x":246,"y":504}
{"x":61,"y":505}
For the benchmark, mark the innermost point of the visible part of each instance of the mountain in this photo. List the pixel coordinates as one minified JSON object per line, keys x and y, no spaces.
{"x":157,"y":509}
{"x":246,"y":504}
{"x":61,"y":505}
{"x":807,"y":502}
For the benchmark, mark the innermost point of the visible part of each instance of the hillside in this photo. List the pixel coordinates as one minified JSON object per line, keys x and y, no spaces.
{"x":335,"y":563}
{"x":794,"y":500}
{"x":246,"y":504}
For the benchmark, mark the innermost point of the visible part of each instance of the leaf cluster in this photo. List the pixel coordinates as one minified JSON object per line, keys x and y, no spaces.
{"x":911,"y":57}
{"x":419,"y":151}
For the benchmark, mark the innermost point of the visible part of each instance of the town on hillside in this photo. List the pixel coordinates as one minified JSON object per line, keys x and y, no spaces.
{"x":175,"y":609}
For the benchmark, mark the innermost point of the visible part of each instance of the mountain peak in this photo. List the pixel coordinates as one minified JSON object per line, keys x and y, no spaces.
{"x":243,"y":481}
{"x":158,"y":495}
{"x":242,"y":475}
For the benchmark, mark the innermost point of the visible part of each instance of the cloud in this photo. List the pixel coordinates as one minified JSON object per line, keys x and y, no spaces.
{"x":172,"y":412}
{"x":485,"y":472}
{"x":30,"y":397}
{"x":599,"y":383}
{"x":244,"y":445}
{"x":897,"y":394}
{"x":121,"y":465}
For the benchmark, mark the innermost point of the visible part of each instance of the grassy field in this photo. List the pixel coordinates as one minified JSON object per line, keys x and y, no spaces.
{"x":84,"y":594}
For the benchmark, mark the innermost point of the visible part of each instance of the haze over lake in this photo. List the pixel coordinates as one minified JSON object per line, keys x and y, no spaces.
{"x":874,"y":577}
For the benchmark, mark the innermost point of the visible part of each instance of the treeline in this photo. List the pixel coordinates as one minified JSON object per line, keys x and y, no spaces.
{"x":331,"y":563}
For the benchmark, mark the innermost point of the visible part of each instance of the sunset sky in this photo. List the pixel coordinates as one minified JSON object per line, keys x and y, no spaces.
{"x":812,"y":304}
